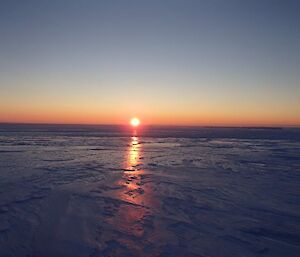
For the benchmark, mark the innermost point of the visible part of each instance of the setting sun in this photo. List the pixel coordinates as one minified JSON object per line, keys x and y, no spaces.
{"x":135,"y":122}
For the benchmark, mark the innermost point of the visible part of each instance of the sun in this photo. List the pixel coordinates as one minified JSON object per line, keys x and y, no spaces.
{"x":135,"y":122}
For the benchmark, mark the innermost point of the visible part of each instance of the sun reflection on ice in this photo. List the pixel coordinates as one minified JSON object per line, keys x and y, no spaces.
{"x":134,"y":182}
{"x":132,"y":177}
{"x":135,"y":195}
{"x":133,"y":153}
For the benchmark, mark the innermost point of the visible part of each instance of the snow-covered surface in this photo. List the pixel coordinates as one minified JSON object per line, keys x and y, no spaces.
{"x":87,"y":194}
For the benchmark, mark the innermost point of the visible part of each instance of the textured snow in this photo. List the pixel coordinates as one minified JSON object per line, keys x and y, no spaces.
{"x":85,"y":194}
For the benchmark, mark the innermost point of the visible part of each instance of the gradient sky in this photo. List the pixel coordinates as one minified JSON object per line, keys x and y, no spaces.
{"x":167,"y":62}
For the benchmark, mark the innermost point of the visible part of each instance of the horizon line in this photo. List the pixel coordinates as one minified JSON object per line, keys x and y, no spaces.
{"x":145,"y":125}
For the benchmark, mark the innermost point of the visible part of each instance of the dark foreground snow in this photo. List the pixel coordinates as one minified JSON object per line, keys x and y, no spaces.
{"x":72,"y":196}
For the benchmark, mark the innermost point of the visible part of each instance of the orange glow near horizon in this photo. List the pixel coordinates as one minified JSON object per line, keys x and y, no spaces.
{"x":188,"y":117}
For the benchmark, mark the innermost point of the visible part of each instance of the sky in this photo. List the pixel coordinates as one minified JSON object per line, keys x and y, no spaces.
{"x":209,"y":62}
